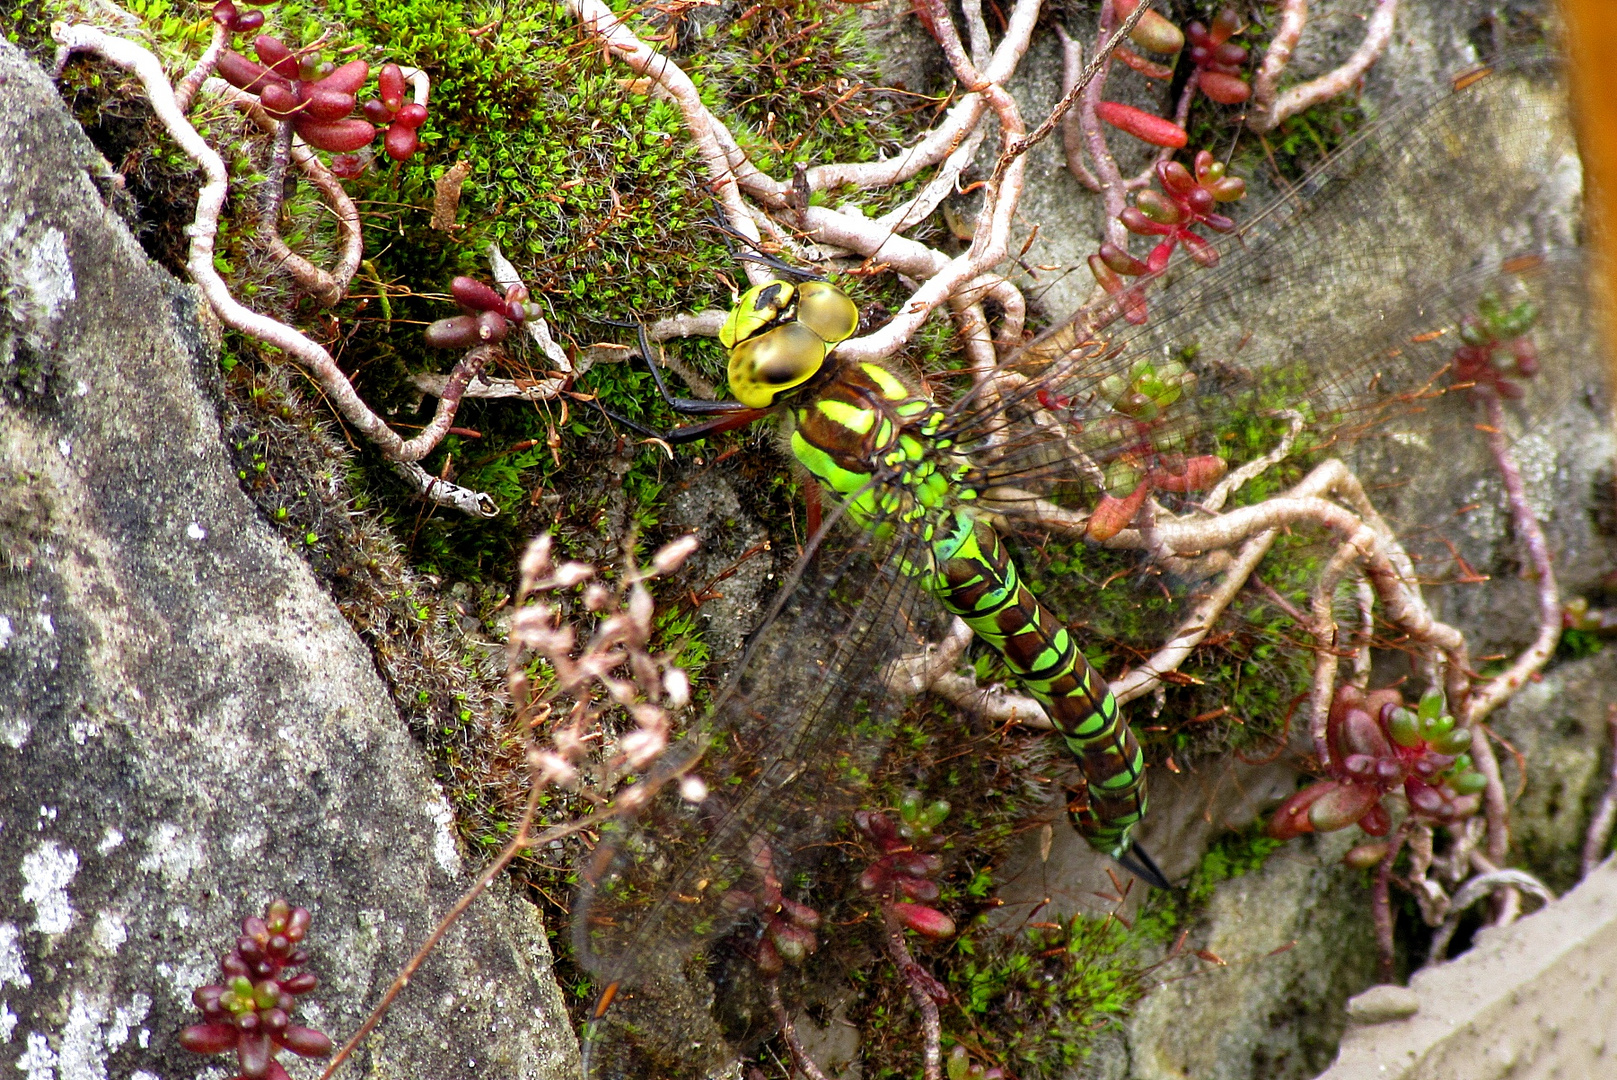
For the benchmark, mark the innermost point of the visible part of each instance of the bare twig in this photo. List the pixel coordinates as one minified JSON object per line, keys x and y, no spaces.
{"x":210,"y":203}
{"x":1598,"y":838}
{"x":917,"y":981}
{"x":1266,"y":116}
{"x":794,"y":1045}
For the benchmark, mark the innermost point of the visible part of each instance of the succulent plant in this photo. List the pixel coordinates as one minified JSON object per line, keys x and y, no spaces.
{"x":250,"y":1012}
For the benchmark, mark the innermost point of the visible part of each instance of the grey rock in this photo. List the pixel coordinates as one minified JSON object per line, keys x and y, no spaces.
{"x":1267,"y":1013}
{"x":1380,"y":1004}
{"x":188,"y":728}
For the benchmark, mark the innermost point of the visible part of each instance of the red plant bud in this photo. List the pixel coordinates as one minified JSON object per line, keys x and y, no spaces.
{"x":1376,"y":821}
{"x":412,"y":115}
{"x":305,"y":1042}
{"x":1365,"y":856}
{"x":278,"y":946}
{"x":874,"y":879}
{"x":1204,"y":253}
{"x":376,"y":112}
{"x":233,"y":965}
{"x":247,"y":22}
{"x":275,"y":1021}
{"x":917,"y":864}
{"x":247,"y":1022}
{"x":917,"y":888}
{"x":1198,"y":200}
{"x":213,"y":1038}
{"x":207,"y":998}
{"x":769,"y":961}
{"x":1342,"y":807}
{"x":1137,"y":223}
{"x":1225,"y":26}
{"x":1105,"y":275}
{"x":1175,"y":178}
{"x":348,"y":78}
{"x":516,"y":312}
{"x":338,"y":136}
{"x":1224,"y":88}
{"x":1152,"y":31}
{"x":1158,"y":207}
{"x":299,"y":984}
{"x":926,"y":921}
{"x":800,"y":914}
{"x":459,"y":332}
{"x":1229,"y":189}
{"x":244,"y":74}
{"x":401,"y":142}
{"x":1423,"y":797}
{"x":390,"y":85}
{"x":1120,"y":260}
{"x":1292,"y":818}
{"x":1526,"y":354}
{"x":224,"y":13}
{"x":1158,"y":259}
{"x":253,"y":1054}
{"x":1142,"y":125}
{"x":279,"y":102}
{"x":792,"y":942}
{"x":250,"y":949}
{"x":1229,"y":54}
{"x":1112,"y":515}
{"x":327,"y":104}
{"x":262,"y":3}
{"x":274,"y":54}
{"x":474,"y":295}
{"x":492,"y":327}
{"x":1359,"y":734}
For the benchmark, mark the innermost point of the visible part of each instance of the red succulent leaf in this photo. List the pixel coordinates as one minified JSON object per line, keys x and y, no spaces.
{"x":1291,"y":819}
{"x":346,"y":79}
{"x":211,"y":1038}
{"x":401,"y":141}
{"x":1112,"y":515}
{"x":926,"y":921}
{"x":1142,"y":125}
{"x":338,"y":136}
{"x":1343,"y":806}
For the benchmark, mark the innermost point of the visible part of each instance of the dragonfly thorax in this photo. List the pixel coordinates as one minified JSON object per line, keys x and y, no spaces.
{"x":867,"y":436}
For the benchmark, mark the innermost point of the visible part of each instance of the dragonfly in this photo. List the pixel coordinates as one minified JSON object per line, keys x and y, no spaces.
{"x":1327,"y":305}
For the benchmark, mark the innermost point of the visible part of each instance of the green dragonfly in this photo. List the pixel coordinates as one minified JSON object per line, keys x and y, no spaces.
{"x":928,"y":494}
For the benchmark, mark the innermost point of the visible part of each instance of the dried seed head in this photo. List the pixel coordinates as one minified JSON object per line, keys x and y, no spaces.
{"x":536,"y":563}
{"x":640,"y":609}
{"x":692,"y":789}
{"x":553,"y":768}
{"x":671,"y":555}
{"x":676,"y":688}
{"x":648,"y":716}
{"x":641,"y":747}
{"x":597,"y":597}
{"x":569,"y":574}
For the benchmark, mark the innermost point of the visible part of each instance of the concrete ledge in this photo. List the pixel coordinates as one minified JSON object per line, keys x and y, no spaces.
{"x":1536,"y":999}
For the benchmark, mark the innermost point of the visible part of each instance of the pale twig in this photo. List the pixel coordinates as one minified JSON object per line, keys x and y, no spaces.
{"x":1598,"y":837}
{"x":1478,"y":887}
{"x":187,"y":88}
{"x":1377,"y":33}
{"x":210,"y":203}
{"x":794,"y":1045}
{"x":324,"y":287}
{"x":1528,"y":532}
{"x":917,"y":981}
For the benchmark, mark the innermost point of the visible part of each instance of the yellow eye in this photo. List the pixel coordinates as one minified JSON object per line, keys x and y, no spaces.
{"x":758,"y":307}
{"x":827,"y":310}
{"x":764,"y":367}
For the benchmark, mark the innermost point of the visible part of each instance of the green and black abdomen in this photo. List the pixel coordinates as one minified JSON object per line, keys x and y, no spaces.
{"x":866,"y":423}
{"x":981,"y":584}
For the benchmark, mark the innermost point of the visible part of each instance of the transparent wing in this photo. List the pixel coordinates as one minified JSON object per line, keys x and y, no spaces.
{"x":784,"y":757}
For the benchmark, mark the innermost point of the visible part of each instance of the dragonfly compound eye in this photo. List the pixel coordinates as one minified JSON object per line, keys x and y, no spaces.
{"x":766,"y":366}
{"x":827,"y":310}
{"x":758,"y":308}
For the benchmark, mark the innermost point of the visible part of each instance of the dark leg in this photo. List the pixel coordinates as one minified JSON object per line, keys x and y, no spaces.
{"x":1139,"y":862}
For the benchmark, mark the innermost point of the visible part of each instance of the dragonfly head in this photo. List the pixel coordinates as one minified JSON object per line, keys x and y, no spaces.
{"x":778,"y":335}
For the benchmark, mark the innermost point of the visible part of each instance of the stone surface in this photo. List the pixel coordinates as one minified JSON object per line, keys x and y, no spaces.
{"x":1380,"y":1004}
{"x":188,"y":728}
{"x":1529,"y":1000}
{"x":1297,"y":942}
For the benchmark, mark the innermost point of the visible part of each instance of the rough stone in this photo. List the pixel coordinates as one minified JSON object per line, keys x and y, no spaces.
{"x":188,"y":728}
{"x":1380,"y":1004}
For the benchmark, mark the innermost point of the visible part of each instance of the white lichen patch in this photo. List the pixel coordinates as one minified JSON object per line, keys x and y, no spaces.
{"x":109,"y":931}
{"x":13,"y":965}
{"x":110,"y":839}
{"x":37,"y":263}
{"x":15,"y":729}
{"x":46,"y":873}
{"x":443,"y":836}
{"x":173,"y":853}
{"x":38,"y":1060}
{"x":6,"y":631}
{"x":8,"y":1022}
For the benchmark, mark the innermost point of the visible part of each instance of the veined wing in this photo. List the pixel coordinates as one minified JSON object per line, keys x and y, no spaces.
{"x":784,"y":757}
{"x":1310,"y":297}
